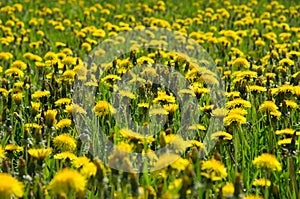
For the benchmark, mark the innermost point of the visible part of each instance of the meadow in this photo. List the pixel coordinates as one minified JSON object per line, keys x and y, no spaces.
{"x":146,"y":100}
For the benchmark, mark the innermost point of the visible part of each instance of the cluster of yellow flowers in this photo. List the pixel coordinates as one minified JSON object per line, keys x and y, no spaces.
{"x":255,"y":49}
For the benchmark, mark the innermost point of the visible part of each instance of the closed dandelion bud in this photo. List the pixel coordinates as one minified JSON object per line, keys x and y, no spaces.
{"x":162,"y":139}
{"x":9,"y":101}
{"x":168,"y":131}
{"x":238,"y":185}
{"x":18,"y":98}
{"x":22,"y":167}
{"x":185,"y":184}
{"x":134,"y":184}
{"x":218,"y":156}
{"x":4,"y":83}
{"x":5,"y":166}
{"x":275,"y":191}
{"x":195,"y":154}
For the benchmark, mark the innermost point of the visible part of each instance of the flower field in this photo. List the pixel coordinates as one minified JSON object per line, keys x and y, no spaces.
{"x":146,"y":100}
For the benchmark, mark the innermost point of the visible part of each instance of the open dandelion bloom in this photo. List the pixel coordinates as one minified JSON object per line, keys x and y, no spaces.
{"x":65,"y":156}
{"x":228,"y":190}
{"x":65,"y":142}
{"x":63,"y":123}
{"x":10,"y":187}
{"x":213,"y":169}
{"x":262,"y":182}
{"x":234,"y":118}
{"x":241,"y":62}
{"x":2,"y":153}
{"x":40,"y":153}
{"x":268,"y":106}
{"x":67,"y":182}
{"x":103,"y":108}
{"x":221,"y":135}
{"x":267,"y":161}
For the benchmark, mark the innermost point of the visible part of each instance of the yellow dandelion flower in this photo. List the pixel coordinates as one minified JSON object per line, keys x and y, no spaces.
{"x":40,"y":94}
{"x":36,"y":128}
{"x":197,"y":127}
{"x":234,"y":118}
{"x":286,"y":131}
{"x":10,"y":187}
{"x":63,"y":123}
{"x":12,"y":147}
{"x":66,"y":182}
{"x":50,"y":117}
{"x":275,"y":114}
{"x":65,"y":142}
{"x":80,"y":161}
{"x":289,"y":104}
{"x":86,"y":46}
{"x":180,"y":164}
{"x":248,"y":74}
{"x":19,"y":64}
{"x":88,"y":170}
{"x":221,"y":135}
{"x":286,"y":88}
{"x":110,"y":78}
{"x":65,"y":155}
{"x":2,"y":153}
{"x":286,"y":61}
{"x":267,"y":161}
{"x":253,"y":197}
{"x":4,"y":92}
{"x":74,"y":109}
{"x":40,"y":153}
{"x":68,"y":60}
{"x":297,"y":90}
{"x":240,"y":111}
{"x":50,"y":56}
{"x":241,"y":62}
{"x":5,"y":56}
{"x":262,"y":182}
{"x":228,"y":190}
{"x":164,"y":97}
{"x":143,"y":105}
{"x":69,"y":74}
{"x":257,"y":89}
{"x":129,"y":134}
{"x":268,"y":106}
{"x":103,"y":108}
{"x":18,"y":98}
{"x":219,"y":112}
{"x":60,"y":44}
{"x":19,"y":84}
{"x":126,"y":93}
{"x":62,"y":101}
{"x":213,"y":169}
{"x":197,"y":144}
{"x":233,"y":94}
{"x":67,"y":51}
{"x":286,"y":141}
{"x":238,"y":102}
{"x":35,"y":106}
{"x":165,"y":160}
{"x":158,"y":111}
{"x":14,"y":72}
{"x":171,"y":108}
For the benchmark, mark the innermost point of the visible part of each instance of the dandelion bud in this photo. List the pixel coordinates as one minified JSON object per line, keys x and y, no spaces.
{"x":18,"y":98}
